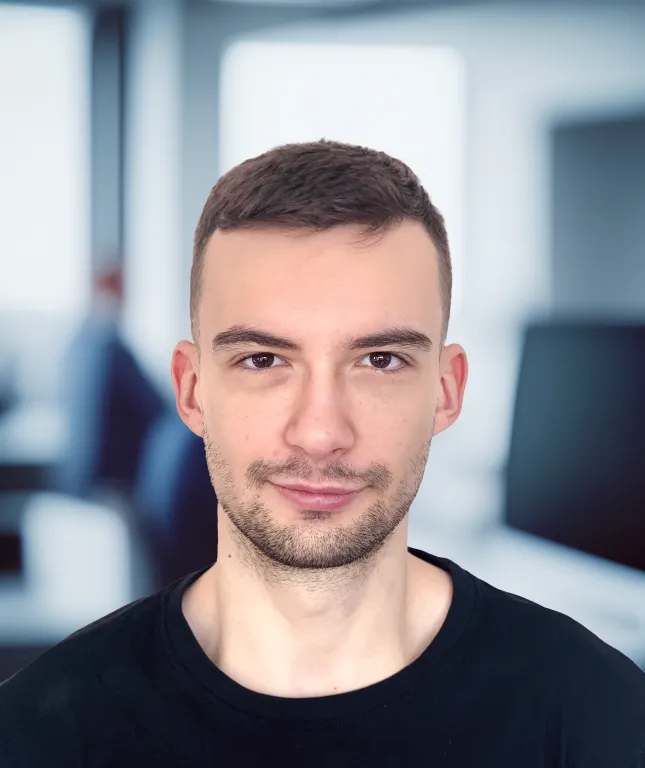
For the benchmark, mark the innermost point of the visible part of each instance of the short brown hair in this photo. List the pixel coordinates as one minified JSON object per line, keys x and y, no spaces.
{"x":317,"y":186}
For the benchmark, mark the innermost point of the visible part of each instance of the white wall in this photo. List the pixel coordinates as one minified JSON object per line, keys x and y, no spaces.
{"x":153,"y":265}
{"x":44,"y":191}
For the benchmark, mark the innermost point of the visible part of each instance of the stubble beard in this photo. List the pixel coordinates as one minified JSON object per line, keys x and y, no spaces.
{"x":314,"y":549}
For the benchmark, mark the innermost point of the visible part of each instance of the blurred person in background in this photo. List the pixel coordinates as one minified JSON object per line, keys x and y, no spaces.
{"x":317,"y":377}
{"x":108,"y":400}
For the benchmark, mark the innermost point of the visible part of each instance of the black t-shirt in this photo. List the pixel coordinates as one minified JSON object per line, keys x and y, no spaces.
{"x":505,"y":684}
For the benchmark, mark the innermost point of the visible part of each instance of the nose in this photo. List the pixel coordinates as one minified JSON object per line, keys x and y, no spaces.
{"x":321,"y":423}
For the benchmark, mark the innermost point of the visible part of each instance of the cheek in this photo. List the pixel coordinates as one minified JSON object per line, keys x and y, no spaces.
{"x":244,"y":434}
{"x":411,"y":434}
{"x":395,"y":434}
{"x":408,"y":413}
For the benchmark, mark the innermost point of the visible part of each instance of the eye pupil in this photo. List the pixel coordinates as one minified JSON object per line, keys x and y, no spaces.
{"x":261,"y":356}
{"x":381,"y":355}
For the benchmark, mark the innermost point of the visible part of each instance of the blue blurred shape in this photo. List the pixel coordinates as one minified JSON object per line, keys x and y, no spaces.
{"x":175,"y":501}
{"x":110,"y":405}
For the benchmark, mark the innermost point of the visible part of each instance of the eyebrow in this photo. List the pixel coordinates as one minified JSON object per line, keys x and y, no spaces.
{"x":245,"y":335}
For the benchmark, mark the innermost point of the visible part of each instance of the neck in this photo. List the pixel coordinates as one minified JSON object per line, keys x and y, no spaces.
{"x":317,"y":633}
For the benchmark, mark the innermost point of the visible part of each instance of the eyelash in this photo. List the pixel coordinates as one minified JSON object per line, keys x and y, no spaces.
{"x":406,"y":364}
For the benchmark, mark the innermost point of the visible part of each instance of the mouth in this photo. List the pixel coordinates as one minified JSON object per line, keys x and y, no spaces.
{"x":317,"y":500}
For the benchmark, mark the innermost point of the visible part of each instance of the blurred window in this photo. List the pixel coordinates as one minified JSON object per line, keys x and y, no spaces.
{"x":44,"y":160}
{"x":407,"y":101}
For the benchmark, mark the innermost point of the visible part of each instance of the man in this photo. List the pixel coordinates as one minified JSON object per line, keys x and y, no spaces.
{"x":318,"y":375}
{"x":108,"y":401}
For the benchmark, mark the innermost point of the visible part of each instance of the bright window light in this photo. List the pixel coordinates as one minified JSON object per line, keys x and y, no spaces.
{"x":44,"y":235}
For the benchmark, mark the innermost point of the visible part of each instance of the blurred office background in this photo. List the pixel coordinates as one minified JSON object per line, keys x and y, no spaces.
{"x":525,"y":121}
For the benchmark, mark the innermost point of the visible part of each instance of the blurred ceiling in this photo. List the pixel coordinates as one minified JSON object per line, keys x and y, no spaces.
{"x":325,"y":5}
{"x":319,"y":4}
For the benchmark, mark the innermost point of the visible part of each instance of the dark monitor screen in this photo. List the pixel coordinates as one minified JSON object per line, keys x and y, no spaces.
{"x":576,"y":465}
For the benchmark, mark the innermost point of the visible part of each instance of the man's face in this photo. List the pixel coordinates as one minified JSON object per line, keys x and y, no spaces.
{"x":323,"y":414}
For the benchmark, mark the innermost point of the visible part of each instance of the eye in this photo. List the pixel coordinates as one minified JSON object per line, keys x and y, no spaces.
{"x":258,"y":356}
{"x":381,"y":360}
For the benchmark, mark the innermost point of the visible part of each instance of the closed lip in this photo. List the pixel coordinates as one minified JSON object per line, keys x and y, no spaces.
{"x":331,"y":489}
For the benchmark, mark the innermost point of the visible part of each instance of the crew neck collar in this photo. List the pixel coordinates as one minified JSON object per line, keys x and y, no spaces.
{"x":209,"y":683}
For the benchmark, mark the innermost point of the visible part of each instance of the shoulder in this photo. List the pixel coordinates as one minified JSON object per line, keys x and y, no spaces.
{"x":122,"y":634}
{"x":550,"y":636}
{"x":596,"y":693}
{"x":48,"y":705}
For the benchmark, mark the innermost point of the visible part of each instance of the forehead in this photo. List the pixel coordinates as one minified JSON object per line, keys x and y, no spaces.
{"x":332,"y":278}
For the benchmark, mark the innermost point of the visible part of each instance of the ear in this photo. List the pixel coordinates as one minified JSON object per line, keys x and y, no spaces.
{"x":453,"y":369}
{"x":184,"y":370}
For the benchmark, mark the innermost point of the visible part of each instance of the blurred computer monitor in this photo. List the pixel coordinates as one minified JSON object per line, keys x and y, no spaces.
{"x":576,"y":466}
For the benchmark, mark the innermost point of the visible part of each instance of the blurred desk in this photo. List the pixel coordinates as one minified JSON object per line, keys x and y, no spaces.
{"x":77,"y":568}
{"x":32,"y":439}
